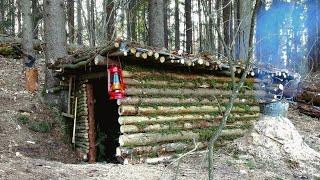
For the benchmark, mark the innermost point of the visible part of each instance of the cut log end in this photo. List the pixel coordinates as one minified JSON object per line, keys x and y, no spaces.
{"x":162,"y":59}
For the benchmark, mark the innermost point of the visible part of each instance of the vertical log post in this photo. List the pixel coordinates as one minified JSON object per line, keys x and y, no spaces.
{"x":92,"y":129}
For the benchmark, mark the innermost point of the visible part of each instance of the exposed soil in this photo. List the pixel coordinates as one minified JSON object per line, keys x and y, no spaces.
{"x":27,"y":154}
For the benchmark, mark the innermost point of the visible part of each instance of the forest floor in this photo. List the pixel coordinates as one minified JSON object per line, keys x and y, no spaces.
{"x":33,"y":144}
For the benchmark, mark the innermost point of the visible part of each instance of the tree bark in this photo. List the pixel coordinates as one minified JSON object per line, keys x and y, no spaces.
{"x":217,"y":8}
{"x":92,"y":22}
{"x":19,"y":18}
{"x":70,"y":12}
{"x":2,"y":17}
{"x":226,"y":23}
{"x":176,"y":26}
{"x":36,"y":17}
{"x":79,"y":22}
{"x":56,"y":43}
{"x":12,"y":17}
{"x":110,"y":20}
{"x":131,"y":19}
{"x":142,"y":139}
{"x":156,"y":26}
{"x":128,"y":110}
{"x":200,"y":26}
{"x":27,"y":37}
{"x":165,"y":22}
{"x":188,"y":26}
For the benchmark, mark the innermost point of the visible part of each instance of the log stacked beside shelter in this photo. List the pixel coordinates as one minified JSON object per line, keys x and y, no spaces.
{"x":173,"y":101}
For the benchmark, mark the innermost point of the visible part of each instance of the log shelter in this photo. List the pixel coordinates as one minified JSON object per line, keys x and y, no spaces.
{"x":173,"y":101}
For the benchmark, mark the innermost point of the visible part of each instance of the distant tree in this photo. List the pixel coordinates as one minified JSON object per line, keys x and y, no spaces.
{"x":70,"y":13}
{"x":110,"y":19}
{"x":227,"y":19}
{"x":200,"y":25}
{"x":176,"y":25}
{"x":90,"y":22}
{"x":79,"y":22}
{"x":165,"y":23}
{"x":132,"y":20}
{"x":156,"y":26}
{"x":36,"y":17}
{"x":188,"y":26}
{"x":19,"y":17}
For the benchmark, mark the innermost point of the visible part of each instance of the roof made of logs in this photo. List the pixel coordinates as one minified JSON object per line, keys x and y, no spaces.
{"x":102,"y":56}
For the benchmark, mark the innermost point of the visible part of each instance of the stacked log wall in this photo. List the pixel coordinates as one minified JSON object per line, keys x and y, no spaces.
{"x":165,"y":114}
{"x":82,"y":125}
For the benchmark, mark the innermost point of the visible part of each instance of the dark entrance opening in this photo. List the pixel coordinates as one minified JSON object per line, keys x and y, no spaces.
{"x":106,"y":118}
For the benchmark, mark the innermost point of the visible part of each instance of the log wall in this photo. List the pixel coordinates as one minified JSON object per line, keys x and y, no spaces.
{"x":165,"y":114}
{"x":82,"y":119}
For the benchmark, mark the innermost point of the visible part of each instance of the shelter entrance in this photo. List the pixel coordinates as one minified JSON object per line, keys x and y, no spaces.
{"x":106,"y":118}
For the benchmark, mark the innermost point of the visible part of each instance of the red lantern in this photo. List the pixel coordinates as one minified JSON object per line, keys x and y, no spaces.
{"x":116,"y":85}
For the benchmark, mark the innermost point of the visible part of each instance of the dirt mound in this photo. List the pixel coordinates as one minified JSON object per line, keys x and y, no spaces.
{"x":276,"y":140}
{"x":29,"y":127}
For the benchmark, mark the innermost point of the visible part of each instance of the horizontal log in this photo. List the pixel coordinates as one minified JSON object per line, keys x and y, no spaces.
{"x":179,"y":101}
{"x":183,"y":77}
{"x":309,"y":97}
{"x":133,"y":110}
{"x":188,"y":92}
{"x":83,"y":147}
{"x":142,"y":139}
{"x":105,"y":51}
{"x":160,"y":149}
{"x":309,"y":110}
{"x":186,"y":84}
{"x":126,"y":120}
{"x":82,"y":139}
{"x":180,"y":126}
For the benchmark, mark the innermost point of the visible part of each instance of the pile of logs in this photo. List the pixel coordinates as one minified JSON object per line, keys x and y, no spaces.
{"x":309,"y":99}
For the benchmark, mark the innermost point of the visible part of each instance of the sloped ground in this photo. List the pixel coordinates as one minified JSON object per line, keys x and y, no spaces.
{"x":26,"y":154}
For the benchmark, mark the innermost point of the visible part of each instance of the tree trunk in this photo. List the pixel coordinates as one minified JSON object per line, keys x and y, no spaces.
{"x":156,"y":26}
{"x":79,"y":22}
{"x":56,"y":43}
{"x":2,"y":17}
{"x":165,"y":23}
{"x":12,"y":17}
{"x":236,"y":26}
{"x":200,"y":26}
{"x":36,"y":17}
{"x":176,"y":25}
{"x":27,"y":38}
{"x":245,"y":10}
{"x":70,"y":12}
{"x":19,"y":18}
{"x":226,"y":23}
{"x":217,"y":8}
{"x":110,"y":19}
{"x":92,"y":21}
{"x":188,"y":26}
{"x":131,"y":21}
